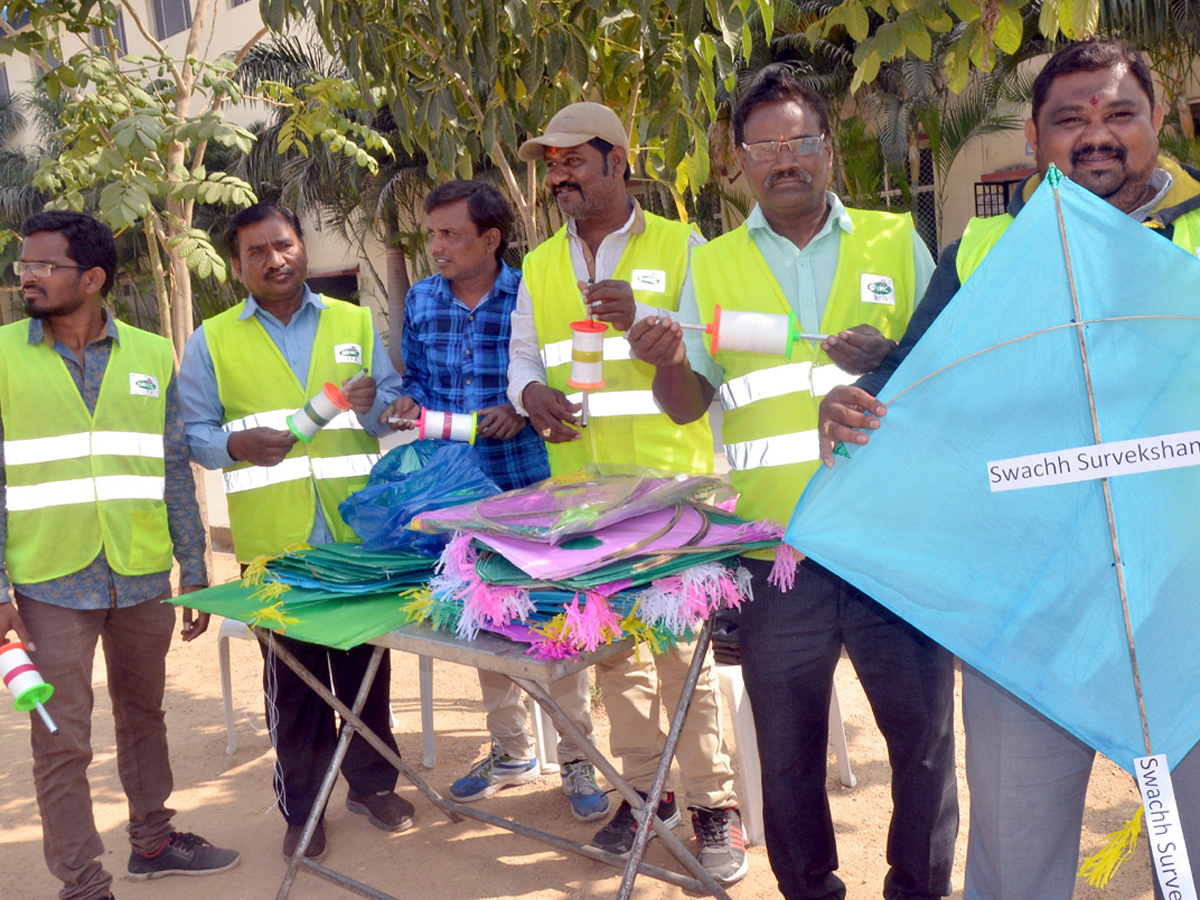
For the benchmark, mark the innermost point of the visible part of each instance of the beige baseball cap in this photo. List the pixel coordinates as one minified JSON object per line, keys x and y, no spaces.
{"x":574,"y":125}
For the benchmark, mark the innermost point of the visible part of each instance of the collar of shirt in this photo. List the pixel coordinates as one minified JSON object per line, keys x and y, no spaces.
{"x":1160,"y":183}
{"x":506,"y":282}
{"x":757,"y":224}
{"x":37,"y":329}
{"x":611,"y":249}
{"x":311,"y":298}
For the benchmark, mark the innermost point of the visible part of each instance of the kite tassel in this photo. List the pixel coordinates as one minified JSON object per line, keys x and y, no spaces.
{"x":783,"y":573}
{"x":1118,"y":847}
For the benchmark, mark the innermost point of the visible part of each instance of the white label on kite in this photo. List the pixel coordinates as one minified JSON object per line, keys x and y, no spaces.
{"x":1162,"y":824}
{"x":878,"y":289}
{"x":1148,"y":454}
{"x":649,"y":280}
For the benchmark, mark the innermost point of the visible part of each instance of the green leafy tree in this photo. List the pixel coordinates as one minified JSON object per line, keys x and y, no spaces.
{"x":138,"y":129}
{"x":468,"y":81}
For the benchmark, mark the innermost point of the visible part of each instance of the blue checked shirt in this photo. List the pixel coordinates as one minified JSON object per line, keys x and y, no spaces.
{"x":96,"y":586}
{"x":456,"y":360}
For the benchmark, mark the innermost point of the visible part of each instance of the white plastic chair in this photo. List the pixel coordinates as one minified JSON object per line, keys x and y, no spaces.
{"x":746,"y":739}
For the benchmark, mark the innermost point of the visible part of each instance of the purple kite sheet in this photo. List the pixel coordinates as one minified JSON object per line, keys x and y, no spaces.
{"x":645,"y":535}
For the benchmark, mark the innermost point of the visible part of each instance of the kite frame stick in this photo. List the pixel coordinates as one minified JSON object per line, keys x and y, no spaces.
{"x":1112,"y":525}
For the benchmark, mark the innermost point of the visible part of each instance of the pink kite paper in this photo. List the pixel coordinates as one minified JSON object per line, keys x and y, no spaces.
{"x":581,"y":503}
{"x":645,"y":535}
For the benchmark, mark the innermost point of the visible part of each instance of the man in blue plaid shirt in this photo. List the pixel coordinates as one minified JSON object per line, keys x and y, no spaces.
{"x":455,"y":346}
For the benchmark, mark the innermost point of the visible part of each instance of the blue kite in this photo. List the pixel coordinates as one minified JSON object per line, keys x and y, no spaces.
{"x":977,"y":513}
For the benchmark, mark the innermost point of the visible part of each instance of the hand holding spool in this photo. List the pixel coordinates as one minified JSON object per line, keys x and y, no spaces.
{"x":24,"y":683}
{"x":444,"y":426}
{"x":754,"y":332}
{"x":319,"y":411}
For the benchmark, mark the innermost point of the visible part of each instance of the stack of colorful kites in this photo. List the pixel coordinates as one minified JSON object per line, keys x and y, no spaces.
{"x":577,"y":561}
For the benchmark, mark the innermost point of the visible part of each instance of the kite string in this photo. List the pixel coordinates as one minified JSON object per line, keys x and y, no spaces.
{"x":1025,"y":337}
{"x":1112,"y":525}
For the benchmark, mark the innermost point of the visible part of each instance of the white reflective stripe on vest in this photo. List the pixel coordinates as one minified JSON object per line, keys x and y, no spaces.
{"x":618,"y":403}
{"x":793,"y":378}
{"x":83,"y":490}
{"x":358,"y":464}
{"x":33,"y":451}
{"x":615,"y":349}
{"x":762,"y":384}
{"x":129,"y":487}
{"x":780,"y":450}
{"x":292,"y":469}
{"x":826,"y":378}
{"x":297,"y":468}
{"x":277,"y":419}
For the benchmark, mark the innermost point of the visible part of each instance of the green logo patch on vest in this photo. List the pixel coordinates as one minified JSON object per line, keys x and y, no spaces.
{"x":143,"y":385}
{"x":878,"y":289}
{"x":348,"y":353}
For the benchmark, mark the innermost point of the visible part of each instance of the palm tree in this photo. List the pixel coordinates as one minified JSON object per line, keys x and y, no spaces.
{"x":347,"y":199}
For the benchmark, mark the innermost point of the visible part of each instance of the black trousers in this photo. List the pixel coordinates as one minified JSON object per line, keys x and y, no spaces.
{"x":790,"y":645}
{"x":304,"y":731}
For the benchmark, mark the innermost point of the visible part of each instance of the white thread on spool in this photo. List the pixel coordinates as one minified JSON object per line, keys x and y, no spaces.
{"x":318,"y":412}
{"x":587,"y":355}
{"x":753,"y":332}
{"x":24,"y":682}
{"x":445,"y":426}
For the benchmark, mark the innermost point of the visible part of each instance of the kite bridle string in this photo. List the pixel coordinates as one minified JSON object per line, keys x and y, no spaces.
{"x":1112,"y":525}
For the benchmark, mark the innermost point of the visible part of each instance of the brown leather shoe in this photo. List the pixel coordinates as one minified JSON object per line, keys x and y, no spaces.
{"x":316,"y":848}
{"x":386,"y":810}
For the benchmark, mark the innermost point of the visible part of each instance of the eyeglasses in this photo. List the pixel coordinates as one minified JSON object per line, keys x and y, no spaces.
{"x":42,"y":269}
{"x":761,"y":151}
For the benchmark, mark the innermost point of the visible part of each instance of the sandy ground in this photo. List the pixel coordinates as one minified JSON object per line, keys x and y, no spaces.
{"x":228,"y":799}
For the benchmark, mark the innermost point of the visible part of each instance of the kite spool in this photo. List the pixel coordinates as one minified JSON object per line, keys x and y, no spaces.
{"x":755,"y":332}
{"x":587,"y":355}
{"x":318,"y":412}
{"x":24,"y":683}
{"x":432,"y":426}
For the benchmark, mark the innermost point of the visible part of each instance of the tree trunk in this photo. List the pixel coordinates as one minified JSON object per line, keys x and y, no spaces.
{"x":398,"y":283}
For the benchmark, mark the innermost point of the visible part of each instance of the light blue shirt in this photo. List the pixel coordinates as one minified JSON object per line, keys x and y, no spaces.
{"x":805,"y":276}
{"x":204,"y":414}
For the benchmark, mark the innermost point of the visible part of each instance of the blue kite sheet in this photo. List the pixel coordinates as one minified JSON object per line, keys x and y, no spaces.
{"x":1022,"y":583}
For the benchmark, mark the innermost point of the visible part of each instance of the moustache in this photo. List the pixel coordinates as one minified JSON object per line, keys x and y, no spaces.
{"x":798,"y":174}
{"x":566,"y":186}
{"x":1087,"y":149}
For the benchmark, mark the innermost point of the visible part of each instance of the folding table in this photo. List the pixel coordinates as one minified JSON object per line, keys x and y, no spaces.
{"x":499,"y":654}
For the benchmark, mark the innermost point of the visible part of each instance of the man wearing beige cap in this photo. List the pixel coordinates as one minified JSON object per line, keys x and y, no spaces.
{"x":617,"y":264}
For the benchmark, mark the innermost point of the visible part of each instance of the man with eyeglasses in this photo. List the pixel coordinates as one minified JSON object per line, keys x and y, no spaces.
{"x":96,"y":498}
{"x":855,"y":275}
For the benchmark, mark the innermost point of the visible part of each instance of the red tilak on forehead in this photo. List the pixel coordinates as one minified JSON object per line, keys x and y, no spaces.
{"x":1095,"y":99}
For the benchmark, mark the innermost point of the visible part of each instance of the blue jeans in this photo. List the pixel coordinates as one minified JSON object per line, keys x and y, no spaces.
{"x":791,"y":644}
{"x":1028,"y":779}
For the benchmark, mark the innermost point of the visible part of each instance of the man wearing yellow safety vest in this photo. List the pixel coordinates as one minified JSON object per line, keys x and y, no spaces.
{"x":243,"y":372}
{"x":97,"y":496}
{"x":855,"y":275}
{"x":1094,"y":117}
{"x":616,"y":263}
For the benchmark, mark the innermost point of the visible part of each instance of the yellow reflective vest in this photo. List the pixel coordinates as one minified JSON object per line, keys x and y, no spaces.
{"x":627,"y":425}
{"x":770,"y":423}
{"x":81,"y":482}
{"x":981,"y":235}
{"x":272,"y":508}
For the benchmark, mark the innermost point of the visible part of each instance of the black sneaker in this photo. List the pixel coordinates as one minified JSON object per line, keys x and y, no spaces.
{"x":618,"y":835}
{"x":315,"y":851}
{"x":720,"y":843}
{"x":182,"y":854}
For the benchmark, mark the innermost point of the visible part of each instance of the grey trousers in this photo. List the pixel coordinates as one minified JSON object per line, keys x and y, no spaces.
{"x":135,"y":641}
{"x":1028,"y":779}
